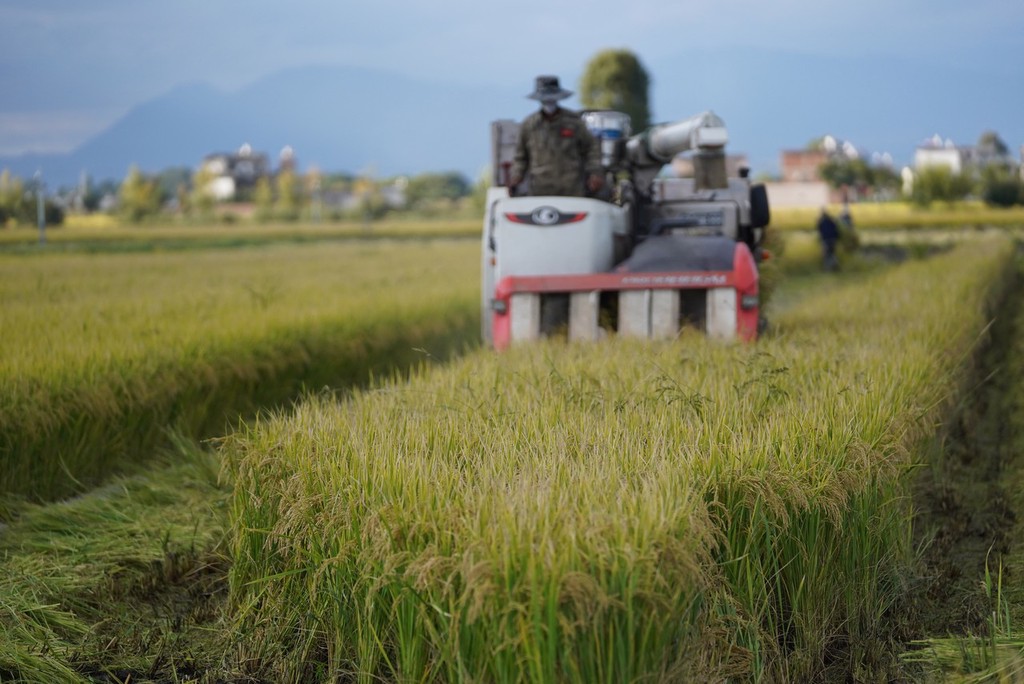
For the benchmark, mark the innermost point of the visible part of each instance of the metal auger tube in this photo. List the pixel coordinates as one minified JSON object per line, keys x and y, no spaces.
{"x":659,"y":144}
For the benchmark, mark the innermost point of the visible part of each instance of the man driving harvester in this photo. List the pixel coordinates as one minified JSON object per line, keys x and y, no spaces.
{"x":556,"y":154}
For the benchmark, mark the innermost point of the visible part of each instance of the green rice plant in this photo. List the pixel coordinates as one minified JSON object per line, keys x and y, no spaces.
{"x":103,"y":354}
{"x":802,"y":253}
{"x":620,"y":511}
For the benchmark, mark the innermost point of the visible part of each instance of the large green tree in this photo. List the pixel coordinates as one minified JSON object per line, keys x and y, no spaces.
{"x":139,"y":196}
{"x":1001,"y":185}
{"x":203,"y":200}
{"x":170,"y":179}
{"x":992,"y":145}
{"x":18,"y":203}
{"x":615,"y":79}
{"x":289,"y":195}
{"x":431,"y":187}
{"x":939,"y":184}
{"x":841,"y":171}
{"x":13,"y":199}
{"x":263,"y":198}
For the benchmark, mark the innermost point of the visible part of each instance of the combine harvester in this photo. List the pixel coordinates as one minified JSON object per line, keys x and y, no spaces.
{"x":655,"y":255}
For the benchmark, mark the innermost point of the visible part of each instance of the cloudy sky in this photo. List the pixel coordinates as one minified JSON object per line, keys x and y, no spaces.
{"x":72,"y":67}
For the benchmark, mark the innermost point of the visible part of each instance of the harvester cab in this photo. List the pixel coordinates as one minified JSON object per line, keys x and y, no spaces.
{"x":653,"y":254}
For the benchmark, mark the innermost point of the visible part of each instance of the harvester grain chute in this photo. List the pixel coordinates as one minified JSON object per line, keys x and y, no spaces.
{"x":656,"y":254}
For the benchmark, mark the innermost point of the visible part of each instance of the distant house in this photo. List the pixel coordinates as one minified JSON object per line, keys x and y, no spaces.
{"x":286,"y":159}
{"x":936,"y":152}
{"x":802,"y":166}
{"x":234,"y":173}
{"x":801,"y":184}
{"x":939,"y":152}
{"x":392,"y":194}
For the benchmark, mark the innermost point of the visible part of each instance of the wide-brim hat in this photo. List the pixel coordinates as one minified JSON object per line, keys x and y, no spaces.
{"x":547,"y":88}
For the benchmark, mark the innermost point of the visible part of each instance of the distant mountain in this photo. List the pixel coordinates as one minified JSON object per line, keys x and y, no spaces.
{"x":360,"y":120}
{"x":339,"y":119}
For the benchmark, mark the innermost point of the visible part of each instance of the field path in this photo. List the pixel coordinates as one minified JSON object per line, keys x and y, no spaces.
{"x":971,"y":513}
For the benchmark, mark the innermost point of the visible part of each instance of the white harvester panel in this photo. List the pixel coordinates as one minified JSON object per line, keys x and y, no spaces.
{"x":584,"y":316}
{"x":556,"y":235}
{"x":635,"y":313}
{"x":664,"y":314}
{"x":655,"y":314}
{"x":525,"y":316}
{"x":721,"y":313}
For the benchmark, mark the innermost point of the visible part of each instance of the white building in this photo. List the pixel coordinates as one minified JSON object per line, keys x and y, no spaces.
{"x":936,"y":152}
{"x":232,"y":172}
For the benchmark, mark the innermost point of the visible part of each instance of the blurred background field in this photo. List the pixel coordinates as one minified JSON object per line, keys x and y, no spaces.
{"x":102,"y":232}
{"x":869,"y":216}
{"x":875,"y":223}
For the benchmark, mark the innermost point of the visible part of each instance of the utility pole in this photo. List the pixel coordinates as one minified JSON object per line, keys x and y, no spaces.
{"x":40,"y":213}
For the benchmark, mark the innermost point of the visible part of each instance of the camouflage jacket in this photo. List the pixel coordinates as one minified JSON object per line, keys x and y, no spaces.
{"x":555,"y":155}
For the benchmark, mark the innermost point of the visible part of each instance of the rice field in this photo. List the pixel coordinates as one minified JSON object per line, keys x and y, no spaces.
{"x":97,"y":233}
{"x":612,"y":512}
{"x":888,"y":216}
{"x":683,"y":511}
{"x":102,"y":355}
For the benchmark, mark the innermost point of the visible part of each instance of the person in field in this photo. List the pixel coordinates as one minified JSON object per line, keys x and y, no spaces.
{"x":828,"y":232}
{"x":556,"y":154}
{"x":846,"y":218}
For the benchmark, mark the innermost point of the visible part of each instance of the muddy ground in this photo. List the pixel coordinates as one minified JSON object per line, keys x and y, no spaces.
{"x":969,"y":502}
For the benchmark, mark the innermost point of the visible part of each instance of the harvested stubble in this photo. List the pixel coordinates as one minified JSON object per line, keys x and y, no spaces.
{"x":611,"y":512}
{"x":102,"y":355}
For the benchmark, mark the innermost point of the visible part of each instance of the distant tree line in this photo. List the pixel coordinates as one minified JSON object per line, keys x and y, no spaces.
{"x":994,"y":178}
{"x":19,"y":203}
{"x":843,"y":172}
{"x":183,"y":194}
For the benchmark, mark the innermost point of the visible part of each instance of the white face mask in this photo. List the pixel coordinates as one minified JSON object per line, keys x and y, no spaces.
{"x":549,"y":107}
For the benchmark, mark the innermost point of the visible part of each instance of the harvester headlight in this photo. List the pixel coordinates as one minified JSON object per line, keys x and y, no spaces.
{"x":546,"y":216}
{"x":749,"y":301}
{"x":500,"y":306}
